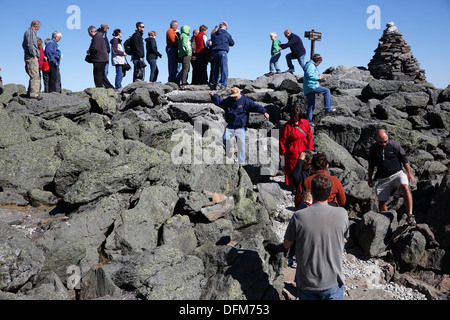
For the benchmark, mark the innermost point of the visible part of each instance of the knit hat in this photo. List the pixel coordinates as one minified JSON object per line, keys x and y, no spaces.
{"x":104,"y":26}
{"x":317,"y":57}
{"x":235,"y":92}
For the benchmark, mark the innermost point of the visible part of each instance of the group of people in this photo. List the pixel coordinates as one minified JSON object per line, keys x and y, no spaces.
{"x":184,"y":51}
{"x":317,"y":231}
{"x":181,"y":49}
{"x":42,"y":61}
{"x":311,"y":81}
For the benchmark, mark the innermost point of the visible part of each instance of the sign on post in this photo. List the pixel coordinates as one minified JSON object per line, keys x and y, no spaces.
{"x":314,"y":36}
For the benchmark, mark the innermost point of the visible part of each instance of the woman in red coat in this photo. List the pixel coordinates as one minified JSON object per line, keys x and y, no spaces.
{"x":296,"y":137}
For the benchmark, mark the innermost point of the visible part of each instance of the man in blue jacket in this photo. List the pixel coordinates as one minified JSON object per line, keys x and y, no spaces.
{"x":311,"y":87}
{"x":297,"y":50}
{"x":237,"y":109}
{"x":221,"y":43}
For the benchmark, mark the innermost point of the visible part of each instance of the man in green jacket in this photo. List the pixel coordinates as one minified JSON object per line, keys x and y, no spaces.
{"x":311,"y":87}
{"x":185,"y":53}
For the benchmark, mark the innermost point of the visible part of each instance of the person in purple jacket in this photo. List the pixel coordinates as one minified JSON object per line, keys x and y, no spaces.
{"x":298,"y":51}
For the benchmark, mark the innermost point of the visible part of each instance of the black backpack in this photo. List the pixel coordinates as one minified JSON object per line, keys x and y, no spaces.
{"x":127,"y":45}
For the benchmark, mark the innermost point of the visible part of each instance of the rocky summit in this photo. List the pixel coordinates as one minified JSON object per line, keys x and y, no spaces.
{"x":128,"y":195}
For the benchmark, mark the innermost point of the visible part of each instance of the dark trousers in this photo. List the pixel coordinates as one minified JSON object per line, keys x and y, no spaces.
{"x":100,"y":78}
{"x":202,"y":65}
{"x":52,"y":77}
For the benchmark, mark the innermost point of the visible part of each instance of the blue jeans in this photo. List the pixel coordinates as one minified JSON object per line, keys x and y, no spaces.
{"x":240,"y":137}
{"x":119,"y":76}
{"x":290,"y":57}
{"x":220,"y":59}
{"x":311,"y":100}
{"x":335,"y":293}
{"x":273,"y":65}
{"x":174,"y":66}
{"x":135,"y":60}
{"x":153,"y":70}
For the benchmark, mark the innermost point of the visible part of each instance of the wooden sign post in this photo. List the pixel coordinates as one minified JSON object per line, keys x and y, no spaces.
{"x":313,"y":36}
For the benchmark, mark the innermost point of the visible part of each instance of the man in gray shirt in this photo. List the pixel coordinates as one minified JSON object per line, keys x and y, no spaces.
{"x":31,"y":56}
{"x":320,"y":232}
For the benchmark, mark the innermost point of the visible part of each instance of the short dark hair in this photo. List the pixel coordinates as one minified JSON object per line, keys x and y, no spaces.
{"x":321,"y":186}
{"x":319,"y":161}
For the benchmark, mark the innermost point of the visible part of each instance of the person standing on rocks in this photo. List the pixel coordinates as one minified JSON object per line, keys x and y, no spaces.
{"x":31,"y":56}
{"x":319,"y":232}
{"x":172,"y":35}
{"x":388,"y":157}
{"x":296,"y":137}
{"x":138,"y":52}
{"x":298,"y":51}
{"x":237,"y":110}
{"x":221,"y":43}
{"x":311,"y":87}
{"x":53,"y":54}
{"x":99,"y":55}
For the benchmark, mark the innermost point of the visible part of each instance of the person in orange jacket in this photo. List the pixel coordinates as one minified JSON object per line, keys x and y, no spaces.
{"x":320,"y":166}
{"x":296,"y":137}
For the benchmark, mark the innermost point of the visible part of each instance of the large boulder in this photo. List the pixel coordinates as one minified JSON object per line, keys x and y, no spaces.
{"x":164,"y":273}
{"x":20,"y":259}
{"x":374,"y":231}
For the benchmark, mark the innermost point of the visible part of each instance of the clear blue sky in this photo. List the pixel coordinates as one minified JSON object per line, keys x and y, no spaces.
{"x":346,"y":39}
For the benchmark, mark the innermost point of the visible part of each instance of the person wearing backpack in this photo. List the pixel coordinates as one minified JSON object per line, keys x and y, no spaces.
{"x":138,"y":52}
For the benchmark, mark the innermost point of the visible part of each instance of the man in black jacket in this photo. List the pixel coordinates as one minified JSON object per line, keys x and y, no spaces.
{"x":297,"y":50}
{"x":100,"y":58}
{"x":388,"y":157}
{"x":138,"y":52}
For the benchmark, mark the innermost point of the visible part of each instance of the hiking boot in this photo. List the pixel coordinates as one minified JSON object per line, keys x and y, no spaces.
{"x":411,"y":221}
{"x":39,"y":98}
{"x":330,"y":111}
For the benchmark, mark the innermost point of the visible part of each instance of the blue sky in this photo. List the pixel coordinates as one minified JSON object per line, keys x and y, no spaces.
{"x":346,"y":39}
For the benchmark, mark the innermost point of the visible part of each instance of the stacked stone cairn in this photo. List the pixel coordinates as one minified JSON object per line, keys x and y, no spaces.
{"x":393,"y":59}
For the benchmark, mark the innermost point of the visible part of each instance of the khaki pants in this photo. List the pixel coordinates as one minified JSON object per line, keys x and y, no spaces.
{"x":34,"y":85}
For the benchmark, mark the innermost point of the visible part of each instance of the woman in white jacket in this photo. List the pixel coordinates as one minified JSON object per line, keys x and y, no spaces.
{"x":118,"y":56}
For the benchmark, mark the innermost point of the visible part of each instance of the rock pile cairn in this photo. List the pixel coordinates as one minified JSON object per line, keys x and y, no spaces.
{"x":393,"y":59}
